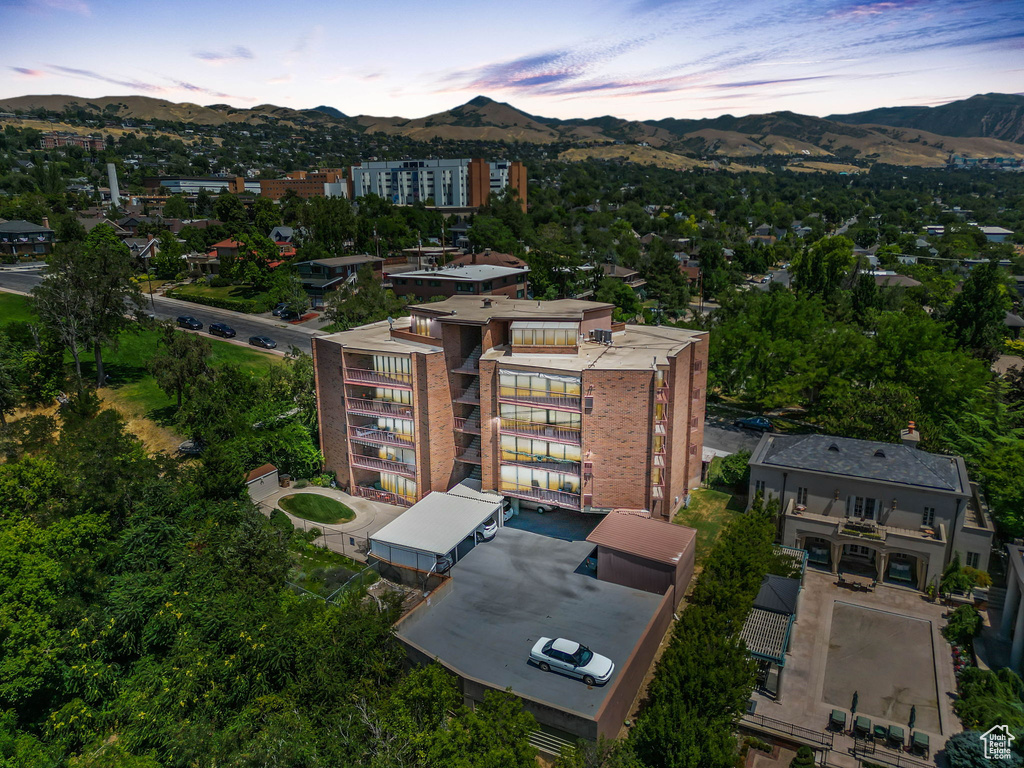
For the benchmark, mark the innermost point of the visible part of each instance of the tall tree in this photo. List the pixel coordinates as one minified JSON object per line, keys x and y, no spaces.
{"x":183,"y":362}
{"x":822,"y":269}
{"x":977,"y":313}
{"x":60,"y":302}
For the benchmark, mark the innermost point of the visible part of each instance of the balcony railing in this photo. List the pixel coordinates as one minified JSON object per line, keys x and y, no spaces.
{"x":470,"y":456}
{"x":377,"y":407}
{"x":385,"y":496}
{"x":533,"y":397}
{"x":533,"y":493}
{"x":367,"y":376}
{"x":379,"y":436}
{"x":382,"y":465}
{"x":466,"y":365}
{"x":467,"y":425}
{"x":661,"y":395}
{"x":470,"y":395}
{"x":561,"y":434}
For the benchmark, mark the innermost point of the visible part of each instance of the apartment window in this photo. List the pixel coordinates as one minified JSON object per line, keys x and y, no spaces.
{"x":487,"y":286}
{"x":759,"y":486}
{"x":465,"y":288}
{"x":527,"y":450}
{"x":524,"y":479}
{"x":399,"y":485}
{"x":928,"y":517}
{"x":401,"y":396}
{"x":419,"y":282}
{"x":401,"y":282}
{"x":801,"y":496}
{"x":695,"y":422}
{"x":698,"y":365}
{"x":420,"y":325}
{"x":399,"y":368}
{"x":435,"y":283}
{"x":544,"y":334}
{"x":973,"y":558}
{"x":511,"y":384}
{"x":520,"y":294}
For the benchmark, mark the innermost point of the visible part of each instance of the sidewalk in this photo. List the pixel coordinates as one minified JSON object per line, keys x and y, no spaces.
{"x":344,"y":538}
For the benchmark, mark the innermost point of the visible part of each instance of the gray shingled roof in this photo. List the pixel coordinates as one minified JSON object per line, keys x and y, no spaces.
{"x":20,"y":227}
{"x":778,"y":594}
{"x":885,"y":462}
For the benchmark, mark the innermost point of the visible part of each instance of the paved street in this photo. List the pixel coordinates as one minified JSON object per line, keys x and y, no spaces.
{"x":22,"y":279}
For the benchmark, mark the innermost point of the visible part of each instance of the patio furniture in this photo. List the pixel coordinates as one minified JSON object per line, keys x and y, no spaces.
{"x":895,"y":736}
{"x":919,"y":743}
{"x":862,"y":726}
{"x":881,"y":732}
{"x":837,"y":721}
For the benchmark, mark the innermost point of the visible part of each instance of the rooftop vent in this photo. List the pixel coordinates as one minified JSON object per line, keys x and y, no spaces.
{"x":487,"y":303}
{"x":880,"y":453}
{"x":834,"y":447}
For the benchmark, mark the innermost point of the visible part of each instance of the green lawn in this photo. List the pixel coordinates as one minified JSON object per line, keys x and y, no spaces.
{"x":14,"y":308}
{"x":317,"y":508}
{"x":222,"y":292}
{"x":708,"y":511}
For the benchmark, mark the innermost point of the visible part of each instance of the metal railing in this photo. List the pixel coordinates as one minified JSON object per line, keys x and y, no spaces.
{"x":555,"y":465}
{"x":467,"y":425}
{"x":385,"y":496}
{"x":382,"y":465}
{"x":377,"y":407}
{"x":466,"y":365}
{"x":889,"y":756}
{"x":470,"y":456}
{"x":825,"y":739}
{"x":367,"y":376}
{"x":380,"y":436}
{"x":533,"y":397}
{"x":560,"y":434}
{"x":533,"y":493}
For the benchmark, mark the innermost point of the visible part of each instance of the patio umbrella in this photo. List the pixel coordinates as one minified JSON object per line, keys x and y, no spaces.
{"x":853,"y":705}
{"x":913,"y":715}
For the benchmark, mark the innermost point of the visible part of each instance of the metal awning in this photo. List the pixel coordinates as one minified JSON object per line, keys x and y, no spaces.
{"x":437,"y":523}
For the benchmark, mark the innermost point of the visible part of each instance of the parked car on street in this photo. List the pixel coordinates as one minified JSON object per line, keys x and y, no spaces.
{"x":263,"y":341}
{"x":187,"y":321}
{"x":222,"y":330}
{"x":571,"y":658}
{"x":289,"y":314}
{"x":755,"y":423}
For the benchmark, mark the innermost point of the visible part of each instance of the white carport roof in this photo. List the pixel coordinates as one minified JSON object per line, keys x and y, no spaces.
{"x":436,"y":523}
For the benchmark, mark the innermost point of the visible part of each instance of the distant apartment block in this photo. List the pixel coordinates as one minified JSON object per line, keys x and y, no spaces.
{"x":461,"y":280}
{"x":192,"y":185}
{"x":57,"y":139}
{"x":456,"y":183}
{"x":547,"y":403}
{"x":324,"y":182}
{"x":889,"y":510}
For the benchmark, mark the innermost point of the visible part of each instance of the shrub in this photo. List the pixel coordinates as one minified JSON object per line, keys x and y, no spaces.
{"x":804,"y":758}
{"x":249,"y":306}
{"x":963,"y":626}
{"x":965,"y":750}
{"x":219,"y":282}
{"x":301,"y":483}
{"x":732,"y":470}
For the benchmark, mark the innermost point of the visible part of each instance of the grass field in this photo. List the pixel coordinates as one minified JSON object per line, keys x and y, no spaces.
{"x":14,"y":308}
{"x":223,"y":292}
{"x":709,"y":510}
{"x":317,"y":508}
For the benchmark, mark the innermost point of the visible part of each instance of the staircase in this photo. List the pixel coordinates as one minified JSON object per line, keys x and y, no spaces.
{"x":473,"y":420}
{"x":472,"y":393}
{"x":477,"y":473}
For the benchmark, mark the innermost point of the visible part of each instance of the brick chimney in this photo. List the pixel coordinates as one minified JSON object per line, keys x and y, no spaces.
{"x":911,"y":436}
{"x":473,"y":260}
{"x":46,"y":221}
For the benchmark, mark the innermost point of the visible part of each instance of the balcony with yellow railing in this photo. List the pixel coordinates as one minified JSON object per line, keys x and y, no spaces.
{"x":353,"y":375}
{"x":561,"y":433}
{"x":370,"y":407}
{"x":375,"y":436}
{"x":382,"y":465}
{"x":565,"y":499}
{"x":548,"y":399}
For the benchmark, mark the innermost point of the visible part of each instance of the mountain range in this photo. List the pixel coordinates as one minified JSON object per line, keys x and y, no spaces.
{"x":987,"y":125}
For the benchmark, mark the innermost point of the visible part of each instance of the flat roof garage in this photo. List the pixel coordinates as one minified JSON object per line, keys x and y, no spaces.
{"x":521,"y":586}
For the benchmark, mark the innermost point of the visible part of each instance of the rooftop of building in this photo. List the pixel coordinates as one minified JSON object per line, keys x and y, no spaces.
{"x":640,"y":535}
{"x":467,"y":272}
{"x":341,"y":261}
{"x":778,"y":594}
{"x":475,"y":310}
{"x":506,"y":594}
{"x":19,"y":226}
{"x":867,"y":459}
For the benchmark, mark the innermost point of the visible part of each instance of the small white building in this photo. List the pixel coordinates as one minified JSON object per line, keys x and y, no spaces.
{"x":437,"y":531}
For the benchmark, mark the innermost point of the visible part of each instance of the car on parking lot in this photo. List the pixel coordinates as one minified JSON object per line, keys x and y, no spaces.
{"x":755,"y":423}
{"x":571,"y":658}
{"x":487,"y":530}
{"x":222,"y":330}
{"x":187,"y":321}
{"x":263,"y":341}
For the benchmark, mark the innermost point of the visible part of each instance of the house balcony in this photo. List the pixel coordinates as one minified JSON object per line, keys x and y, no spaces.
{"x":470,"y":456}
{"x":470,"y":425}
{"x":560,"y":434}
{"x":661,"y":395}
{"x":532,"y":397}
{"x":552,"y":465}
{"x":564,"y":499}
{"x":373,"y":436}
{"x":385,"y":496}
{"x":470,"y":395}
{"x":376,"y":378}
{"x":854,"y":530}
{"x":382,"y":465}
{"x":377,"y":408}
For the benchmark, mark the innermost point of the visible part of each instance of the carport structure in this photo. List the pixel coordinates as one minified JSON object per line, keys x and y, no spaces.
{"x":437,"y":530}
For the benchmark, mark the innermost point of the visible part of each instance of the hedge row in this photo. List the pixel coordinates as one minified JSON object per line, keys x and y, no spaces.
{"x":249,"y":306}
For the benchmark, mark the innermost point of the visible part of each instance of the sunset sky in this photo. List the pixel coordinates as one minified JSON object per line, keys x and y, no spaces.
{"x":641,"y":59}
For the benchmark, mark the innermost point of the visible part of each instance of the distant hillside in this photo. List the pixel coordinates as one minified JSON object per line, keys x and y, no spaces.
{"x":990,"y":115}
{"x":982,"y":126}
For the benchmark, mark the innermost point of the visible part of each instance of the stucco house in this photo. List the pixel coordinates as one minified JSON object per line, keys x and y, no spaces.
{"x":888,"y":510}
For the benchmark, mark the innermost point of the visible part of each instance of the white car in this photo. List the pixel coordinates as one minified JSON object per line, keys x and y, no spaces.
{"x":487,"y":530}
{"x":571,"y":658}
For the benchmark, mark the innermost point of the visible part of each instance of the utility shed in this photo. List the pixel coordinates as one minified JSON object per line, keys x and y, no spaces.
{"x":642,"y":553}
{"x":261,"y":482}
{"x":439,"y":526}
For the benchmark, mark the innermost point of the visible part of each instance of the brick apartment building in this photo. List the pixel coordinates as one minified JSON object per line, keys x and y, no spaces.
{"x":56,"y":139}
{"x":461,"y":279}
{"x":449,"y":183}
{"x":325,"y":182}
{"x":543,"y":402}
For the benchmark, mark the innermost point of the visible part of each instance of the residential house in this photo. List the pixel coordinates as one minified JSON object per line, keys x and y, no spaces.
{"x":321,"y":276}
{"x":625,"y":275}
{"x":888,"y":510}
{"x":23,"y":238}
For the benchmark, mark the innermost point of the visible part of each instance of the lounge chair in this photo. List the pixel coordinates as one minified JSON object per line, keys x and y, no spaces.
{"x":881,"y":733}
{"x":895,"y":736}
{"x":837,"y":721}
{"x":919,"y":743}
{"x":862,"y":726}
